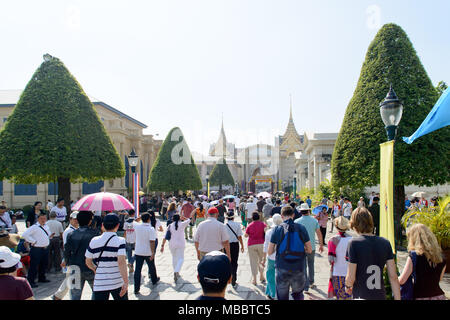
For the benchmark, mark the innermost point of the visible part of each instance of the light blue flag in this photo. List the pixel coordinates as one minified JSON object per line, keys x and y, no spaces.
{"x":438,"y":117}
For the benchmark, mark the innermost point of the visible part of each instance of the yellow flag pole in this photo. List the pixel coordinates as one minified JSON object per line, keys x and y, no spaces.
{"x":387,"y":192}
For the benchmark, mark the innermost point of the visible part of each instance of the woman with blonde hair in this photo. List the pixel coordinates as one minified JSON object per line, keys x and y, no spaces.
{"x":429,"y":264}
{"x":171,"y":211}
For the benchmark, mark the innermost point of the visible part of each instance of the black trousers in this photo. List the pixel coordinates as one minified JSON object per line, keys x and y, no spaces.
{"x":234,"y":252}
{"x":324,"y":233}
{"x":137,"y":271}
{"x":54,"y":254}
{"x":104,"y":295}
{"x":38,"y":264}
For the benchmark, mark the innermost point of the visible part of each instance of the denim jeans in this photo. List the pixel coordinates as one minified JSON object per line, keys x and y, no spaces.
{"x":129,"y":247}
{"x":75,"y":294}
{"x":286,"y":279}
{"x":309,"y":269}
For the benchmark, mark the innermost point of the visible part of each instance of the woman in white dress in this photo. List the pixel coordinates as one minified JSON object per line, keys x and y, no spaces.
{"x":177,"y":242}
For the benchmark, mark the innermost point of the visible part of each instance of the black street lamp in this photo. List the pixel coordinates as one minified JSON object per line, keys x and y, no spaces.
{"x":391,"y":110}
{"x":133,"y":159}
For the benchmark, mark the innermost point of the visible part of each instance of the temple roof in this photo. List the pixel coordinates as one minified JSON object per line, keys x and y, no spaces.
{"x":220,"y":149}
{"x":291,"y":141}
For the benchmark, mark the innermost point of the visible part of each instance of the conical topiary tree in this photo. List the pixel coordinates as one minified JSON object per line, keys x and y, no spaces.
{"x":390,"y":59}
{"x":174,"y":168}
{"x":221,"y":175}
{"x":54,"y":134}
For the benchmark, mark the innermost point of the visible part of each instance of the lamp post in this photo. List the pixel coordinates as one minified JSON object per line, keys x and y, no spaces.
{"x":391,"y":110}
{"x":207,"y":185}
{"x":295,"y":184}
{"x":133,"y":160}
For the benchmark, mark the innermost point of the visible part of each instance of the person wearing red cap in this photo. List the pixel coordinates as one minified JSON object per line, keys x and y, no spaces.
{"x":211,"y":235}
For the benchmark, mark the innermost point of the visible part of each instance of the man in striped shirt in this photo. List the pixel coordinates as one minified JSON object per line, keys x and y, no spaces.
{"x":106,"y":256}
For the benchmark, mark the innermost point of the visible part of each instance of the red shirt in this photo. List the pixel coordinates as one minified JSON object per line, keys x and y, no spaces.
{"x":255,"y":231}
{"x":14,"y":288}
{"x":186,"y":209}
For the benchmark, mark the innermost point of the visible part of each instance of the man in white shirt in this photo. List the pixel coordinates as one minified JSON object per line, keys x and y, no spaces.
{"x":50,"y":205}
{"x":347,"y":208}
{"x":38,"y":235}
{"x":371,"y":198}
{"x":145,"y":250}
{"x":250,"y":207}
{"x":60,"y":210}
{"x":130,"y":237}
{"x":235,"y":234}
{"x":211,"y":235}
{"x":54,"y":249}
{"x":106,"y":257}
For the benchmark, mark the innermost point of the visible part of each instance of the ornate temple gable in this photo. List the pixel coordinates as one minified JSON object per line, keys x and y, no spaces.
{"x":220,"y":149}
{"x":291,"y":141}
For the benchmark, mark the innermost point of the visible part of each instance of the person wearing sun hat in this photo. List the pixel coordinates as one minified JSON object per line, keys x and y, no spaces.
{"x":337,"y":248}
{"x":11,"y":287}
{"x":276,"y":220}
{"x":8,"y":239}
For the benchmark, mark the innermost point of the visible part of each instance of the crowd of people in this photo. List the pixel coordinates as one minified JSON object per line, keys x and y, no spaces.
{"x":283,"y":236}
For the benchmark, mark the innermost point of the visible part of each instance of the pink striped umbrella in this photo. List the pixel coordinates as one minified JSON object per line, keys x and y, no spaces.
{"x":102,"y":201}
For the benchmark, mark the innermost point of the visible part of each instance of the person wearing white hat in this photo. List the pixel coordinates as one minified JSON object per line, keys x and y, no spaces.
{"x":337,"y":249}
{"x":11,"y":287}
{"x":312,"y":226}
{"x":271,"y":292}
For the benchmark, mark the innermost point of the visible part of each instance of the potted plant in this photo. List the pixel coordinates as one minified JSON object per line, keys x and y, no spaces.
{"x":438,"y":220}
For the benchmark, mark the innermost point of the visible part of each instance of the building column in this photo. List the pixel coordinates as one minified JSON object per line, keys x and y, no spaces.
{"x":316,"y":173}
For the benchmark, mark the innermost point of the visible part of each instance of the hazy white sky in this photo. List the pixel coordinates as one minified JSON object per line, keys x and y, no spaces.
{"x":185,"y":62}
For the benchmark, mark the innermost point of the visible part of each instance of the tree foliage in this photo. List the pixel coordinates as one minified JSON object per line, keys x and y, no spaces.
{"x":221,"y":175}
{"x":390,"y":59}
{"x":441,"y":87}
{"x":174,"y":168}
{"x":54,"y":132}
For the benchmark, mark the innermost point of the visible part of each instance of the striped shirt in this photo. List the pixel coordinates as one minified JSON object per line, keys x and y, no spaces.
{"x":107,"y":275}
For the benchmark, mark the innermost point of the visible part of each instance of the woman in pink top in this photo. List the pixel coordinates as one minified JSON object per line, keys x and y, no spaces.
{"x":256,"y":236}
{"x":322,"y":217}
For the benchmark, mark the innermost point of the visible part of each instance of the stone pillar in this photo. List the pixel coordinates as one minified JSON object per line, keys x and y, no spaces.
{"x":310,"y":174}
{"x":316,"y":173}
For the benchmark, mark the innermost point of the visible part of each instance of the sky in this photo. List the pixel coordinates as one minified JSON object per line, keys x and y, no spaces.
{"x":188,"y":63}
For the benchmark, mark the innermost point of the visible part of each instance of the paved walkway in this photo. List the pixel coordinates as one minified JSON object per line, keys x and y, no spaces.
{"x":188,"y":288}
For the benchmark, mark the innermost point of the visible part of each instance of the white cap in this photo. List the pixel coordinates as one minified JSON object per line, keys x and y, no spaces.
{"x":8,"y":258}
{"x":73,"y":215}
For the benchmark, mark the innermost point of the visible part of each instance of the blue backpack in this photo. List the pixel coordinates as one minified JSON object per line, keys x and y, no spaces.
{"x":292,"y":246}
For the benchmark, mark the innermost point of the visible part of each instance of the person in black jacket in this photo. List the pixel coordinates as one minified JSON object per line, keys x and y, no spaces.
{"x":375,"y":212}
{"x":33,"y":214}
{"x":75,"y":249}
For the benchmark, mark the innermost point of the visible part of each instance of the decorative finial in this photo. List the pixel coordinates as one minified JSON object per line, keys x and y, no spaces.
{"x":47,"y":57}
{"x":290,"y":107}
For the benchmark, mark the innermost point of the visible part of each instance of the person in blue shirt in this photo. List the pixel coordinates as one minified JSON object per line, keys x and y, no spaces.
{"x":289,"y":273}
{"x":407,"y":203}
{"x":309,"y":201}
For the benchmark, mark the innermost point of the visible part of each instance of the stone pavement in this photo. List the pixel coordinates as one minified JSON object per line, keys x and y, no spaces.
{"x":188,"y":287}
